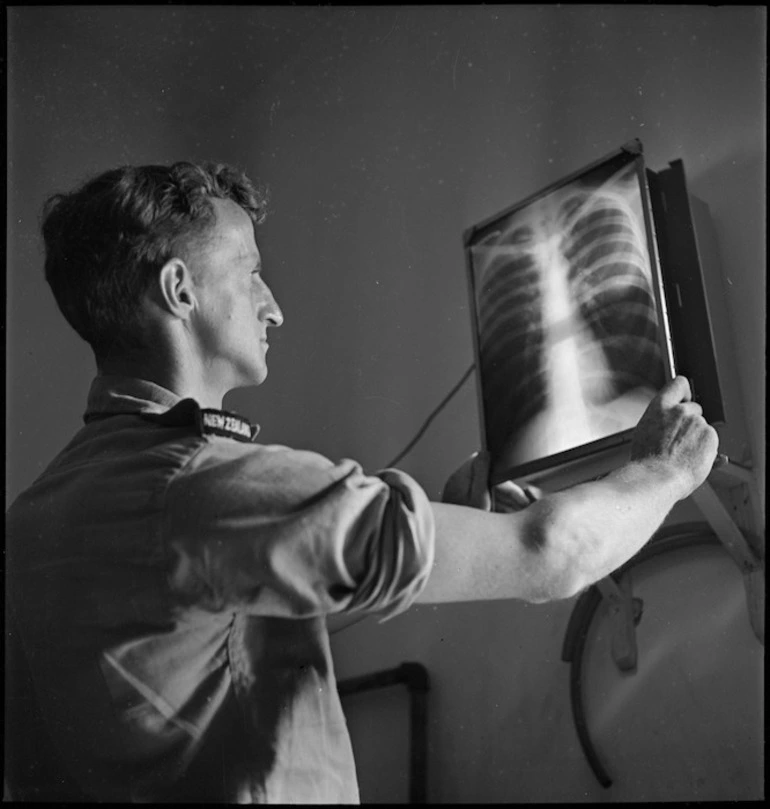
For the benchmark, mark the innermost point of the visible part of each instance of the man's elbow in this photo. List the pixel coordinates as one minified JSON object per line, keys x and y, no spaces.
{"x":555,"y":586}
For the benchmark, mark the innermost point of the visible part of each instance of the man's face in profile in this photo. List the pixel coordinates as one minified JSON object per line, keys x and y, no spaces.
{"x":235,"y":305}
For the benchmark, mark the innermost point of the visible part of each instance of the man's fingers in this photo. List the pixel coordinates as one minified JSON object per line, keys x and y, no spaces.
{"x":691,"y":408}
{"x":533,"y":492}
{"x":720,"y":460}
{"x":713,"y":439}
{"x":675,"y":392}
{"x":509,"y":496}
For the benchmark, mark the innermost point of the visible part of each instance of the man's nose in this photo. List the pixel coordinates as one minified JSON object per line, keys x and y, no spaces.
{"x":273,"y":314}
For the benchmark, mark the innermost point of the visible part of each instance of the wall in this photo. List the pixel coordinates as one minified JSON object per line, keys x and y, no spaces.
{"x":89,"y":89}
{"x":384,"y":135}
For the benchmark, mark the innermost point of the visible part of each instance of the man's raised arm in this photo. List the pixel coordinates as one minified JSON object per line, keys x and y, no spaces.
{"x":566,"y":541}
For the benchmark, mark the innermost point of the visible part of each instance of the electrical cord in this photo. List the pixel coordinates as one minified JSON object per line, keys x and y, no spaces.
{"x":668,"y":539}
{"x":441,"y":405}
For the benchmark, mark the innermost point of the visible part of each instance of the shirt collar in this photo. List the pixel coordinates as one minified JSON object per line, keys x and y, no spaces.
{"x":112,"y":394}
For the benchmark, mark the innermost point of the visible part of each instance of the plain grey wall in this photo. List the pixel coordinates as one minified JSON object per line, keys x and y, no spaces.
{"x":385,"y":132}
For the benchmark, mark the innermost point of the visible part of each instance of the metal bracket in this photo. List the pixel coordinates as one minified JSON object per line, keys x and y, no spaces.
{"x":741,"y":538}
{"x":625,"y":612}
{"x":746,"y":544}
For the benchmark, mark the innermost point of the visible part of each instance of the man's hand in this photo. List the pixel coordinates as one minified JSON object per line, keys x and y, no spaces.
{"x":673,"y":432}
{"x":469,"y":486}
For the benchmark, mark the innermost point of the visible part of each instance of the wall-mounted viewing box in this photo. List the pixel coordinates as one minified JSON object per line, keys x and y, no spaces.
{"x":586,"y":298}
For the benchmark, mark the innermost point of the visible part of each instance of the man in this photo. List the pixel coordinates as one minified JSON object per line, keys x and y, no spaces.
{"x":170,"y":577}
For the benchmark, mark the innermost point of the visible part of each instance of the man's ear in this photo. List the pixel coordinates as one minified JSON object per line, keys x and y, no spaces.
{"x":175,"y":289}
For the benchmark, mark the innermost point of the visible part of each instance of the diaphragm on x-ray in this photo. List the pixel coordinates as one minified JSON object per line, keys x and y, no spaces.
{"x":569,"y":340}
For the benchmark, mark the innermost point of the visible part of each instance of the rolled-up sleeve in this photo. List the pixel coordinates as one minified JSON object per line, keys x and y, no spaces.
{"x":280,"y":532}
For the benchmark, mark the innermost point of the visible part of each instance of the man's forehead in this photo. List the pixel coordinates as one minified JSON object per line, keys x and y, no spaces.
{"x":233,"y":229}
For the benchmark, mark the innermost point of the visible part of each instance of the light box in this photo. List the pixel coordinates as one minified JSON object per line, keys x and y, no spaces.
{"x":572,"y":332}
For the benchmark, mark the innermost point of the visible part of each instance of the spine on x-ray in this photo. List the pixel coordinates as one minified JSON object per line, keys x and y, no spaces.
{"x":592,"y":250}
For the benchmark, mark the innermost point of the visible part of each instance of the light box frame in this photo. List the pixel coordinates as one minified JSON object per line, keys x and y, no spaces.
{"x":631,"y":154}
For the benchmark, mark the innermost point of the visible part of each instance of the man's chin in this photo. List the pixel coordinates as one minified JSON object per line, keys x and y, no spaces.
{"x":252,"y":379}
{"x":258,"y":377}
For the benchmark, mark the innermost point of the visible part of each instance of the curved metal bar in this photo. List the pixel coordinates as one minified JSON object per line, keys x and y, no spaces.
{"x":668,"y":539}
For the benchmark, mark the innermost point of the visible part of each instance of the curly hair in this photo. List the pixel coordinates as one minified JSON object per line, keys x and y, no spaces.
{"x":107,"y":240}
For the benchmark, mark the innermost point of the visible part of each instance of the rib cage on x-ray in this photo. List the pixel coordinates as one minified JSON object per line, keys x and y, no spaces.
{"x":568,"y":328}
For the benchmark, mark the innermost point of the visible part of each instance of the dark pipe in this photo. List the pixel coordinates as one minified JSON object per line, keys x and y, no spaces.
{"x":415,"y":677}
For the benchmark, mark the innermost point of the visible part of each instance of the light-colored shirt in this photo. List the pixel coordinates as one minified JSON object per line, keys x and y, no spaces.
{"x":171,"y":579}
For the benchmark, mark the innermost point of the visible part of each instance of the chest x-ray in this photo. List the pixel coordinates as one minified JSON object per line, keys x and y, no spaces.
{"x":571,"y":338}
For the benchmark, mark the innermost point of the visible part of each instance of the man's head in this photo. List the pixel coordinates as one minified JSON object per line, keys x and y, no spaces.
{"x":137,"y":251}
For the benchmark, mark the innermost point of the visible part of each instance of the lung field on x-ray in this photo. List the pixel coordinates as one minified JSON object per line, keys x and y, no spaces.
{"x":568,"y":329}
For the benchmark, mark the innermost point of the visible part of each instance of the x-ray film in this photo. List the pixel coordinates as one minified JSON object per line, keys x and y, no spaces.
{"x":571,"y":334}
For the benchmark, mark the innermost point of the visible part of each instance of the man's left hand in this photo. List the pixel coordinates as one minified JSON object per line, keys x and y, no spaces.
{"x":469,"y":486}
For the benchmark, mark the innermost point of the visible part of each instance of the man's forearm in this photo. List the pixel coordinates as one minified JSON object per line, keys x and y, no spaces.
{"x":593,"y":528}
{"x":554,"y":548}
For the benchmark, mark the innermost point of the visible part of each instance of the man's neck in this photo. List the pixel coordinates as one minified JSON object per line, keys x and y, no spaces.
{"x":186,"y":382}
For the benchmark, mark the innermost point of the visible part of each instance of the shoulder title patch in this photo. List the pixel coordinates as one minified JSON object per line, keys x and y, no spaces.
{"x":208,"y":420}
{"x":228,"y":425}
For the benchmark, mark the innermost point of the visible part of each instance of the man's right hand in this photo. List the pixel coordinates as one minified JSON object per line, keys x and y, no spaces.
{"x":673,"y":432}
